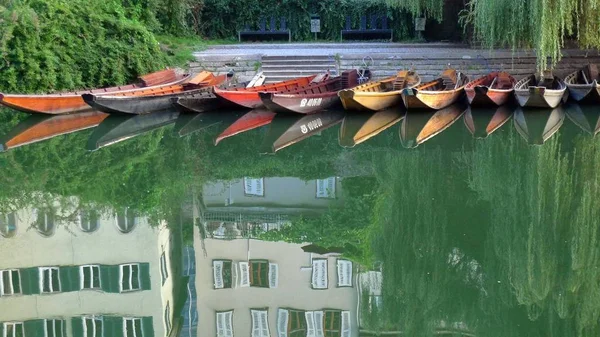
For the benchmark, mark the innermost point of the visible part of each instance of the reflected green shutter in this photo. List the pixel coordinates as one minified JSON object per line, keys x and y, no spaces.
{"x":147,"y":327}
{"x":109,"y":278}
{"x":145,"y":276}
{"x":69,"y":278}
{"x":35,"y":328}
{"x":30,"y":281}
{"x":1,"y":329}
{"x":113,"y":326}
{"x":77,"y":326}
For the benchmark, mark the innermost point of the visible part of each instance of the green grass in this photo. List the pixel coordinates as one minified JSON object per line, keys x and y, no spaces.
{"x":179,"y":50}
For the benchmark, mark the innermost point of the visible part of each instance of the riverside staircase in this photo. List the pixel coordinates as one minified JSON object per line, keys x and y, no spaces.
{"x":281,"y":68}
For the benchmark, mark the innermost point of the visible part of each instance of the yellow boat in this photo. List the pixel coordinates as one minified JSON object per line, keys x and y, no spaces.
{"x":376,"y":96}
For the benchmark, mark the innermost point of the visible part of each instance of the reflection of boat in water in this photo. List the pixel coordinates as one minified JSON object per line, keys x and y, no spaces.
{"x":536,"y":126}
{"x":359,"y":127}
{"x":587,"y":117}
{"x":40,"y":127}
{"x":190,"y":123}
{"x":287,"y":129}
{"x":420,"y":126}
{"x":117,"y":128}
{"x":251,"y":120}
{"x":482,"y":122}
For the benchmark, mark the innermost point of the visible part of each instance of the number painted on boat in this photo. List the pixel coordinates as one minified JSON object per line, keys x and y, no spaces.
{"x":311,"y":102}
{"x":311,"y":126}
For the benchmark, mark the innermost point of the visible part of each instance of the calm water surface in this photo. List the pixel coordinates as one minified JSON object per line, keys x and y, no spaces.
{"x":456,"y":223}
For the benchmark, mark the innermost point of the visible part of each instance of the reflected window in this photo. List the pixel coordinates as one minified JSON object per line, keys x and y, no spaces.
{"x":222,"y":274}
{"x":126,"y":220}
{"x":168,"y":318}
{"x":291,"y":322}
{"x":13,"y":329}
{"x":320,"y":277}
{"x":164,"y":272}
{"x":89,"y":221}
{"x":259,"y":273}
{"x":130,"y":277}
{"x":93,"y":326}
{"x":132,"y":327}
{"x":225,"y":324}
{"x":8,"y":225}
{"x":260,"y":323}
{"x":254,"y":187}
{"x":90,"y":277}
{"x":344,"y":273}
{"x":10,"y":282}
{"x":326,"y":188}
{"x":44,"y":222}
{"x":49,"y":280}
{"x":55,"y":328}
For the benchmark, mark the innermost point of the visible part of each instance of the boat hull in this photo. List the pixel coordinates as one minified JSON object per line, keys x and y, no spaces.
{"x":539,"y":97}
{"x":373,"y":101}
{"x":481,"y":122}
{"x":481,"y":96}
{"x":419,"y":127}
{"x":585,"y":93}
{"x":246,"y":99}
{"x":586,"y":116}
{"x":536,"y":126}
{"x":360,"y":127}
{"x":252,"y":120}
{"x":436,"y":100}
{"x":299,"y":103}
{"x":130,"y":105}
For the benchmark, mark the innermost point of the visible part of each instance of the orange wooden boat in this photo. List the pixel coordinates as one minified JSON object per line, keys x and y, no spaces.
{"x":70,"y":102}
{"x":492,"y":89}
{"x":482,"y":122}
{"x":37,"y":128}
{"x":252,"y":120}
{"x":436,"y":94}
{"x":419,"y":127}
{"x":249,"y":98}
{"x":154,"y":99}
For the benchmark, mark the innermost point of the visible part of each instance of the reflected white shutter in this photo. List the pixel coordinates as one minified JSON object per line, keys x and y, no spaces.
{"x":273,"y":275}
{"x":260,"y":323}
{"x":283,"y":318}
{"x":310,"y":324}
{"x":344,"y":273}
{"x":326,"y":188}
{"x":346,"y":329}
{"x":319,"y":274}
{"x":218,"y":274}
{"x":319,"y":323}
{"x":244,"y":274}
{"x":225,"y":324}
{"x":254,"y":186}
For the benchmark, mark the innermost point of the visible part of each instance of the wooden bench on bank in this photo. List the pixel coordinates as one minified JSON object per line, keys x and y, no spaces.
{"x":378,"y":29}
{"x":281,"y":34}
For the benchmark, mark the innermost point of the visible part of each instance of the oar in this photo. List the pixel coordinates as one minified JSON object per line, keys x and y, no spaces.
{"x":585,"y":77}
{"x":493,"y":82}
{"x":457,"y":81}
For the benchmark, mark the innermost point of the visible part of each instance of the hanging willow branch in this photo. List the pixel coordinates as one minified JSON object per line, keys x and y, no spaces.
{"x":429,"y":8}
{"x":539,"y":24}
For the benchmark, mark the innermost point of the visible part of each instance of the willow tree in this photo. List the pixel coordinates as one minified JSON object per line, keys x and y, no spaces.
{"x":429,"y":8}
{"x":540,"y":24}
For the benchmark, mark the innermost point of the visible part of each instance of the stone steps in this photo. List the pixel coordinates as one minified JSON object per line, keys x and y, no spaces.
{"x":281,"y":68}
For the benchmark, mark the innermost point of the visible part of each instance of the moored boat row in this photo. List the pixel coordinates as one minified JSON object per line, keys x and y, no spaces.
{"x":353,"y":90}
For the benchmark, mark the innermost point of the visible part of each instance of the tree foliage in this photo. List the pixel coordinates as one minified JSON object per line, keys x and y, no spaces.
{"x":48,"y":45}
{"x":540,"y":24}
{"x":418,"y":8}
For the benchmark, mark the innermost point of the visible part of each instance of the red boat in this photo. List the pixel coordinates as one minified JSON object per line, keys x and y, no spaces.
{"x":492,"y":89}
{"x":70,"y":102}
{"x":311,"y":98}
{"x":249,"y":98}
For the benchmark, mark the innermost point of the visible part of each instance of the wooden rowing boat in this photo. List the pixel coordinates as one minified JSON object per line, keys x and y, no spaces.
{"x":419,"y":127}
{"x":585,"y":116}
{"x":311,"y":98}
{"x":380,"y":95}
{"x":38,"y":127}
{"x":584,"y":84}
{"x":482,"y":122}
{"x":71,"y":102}
{"x":152,"y":100}
{"x":287,"y":129}
{"x":547,"y":91}
{"x":117,"y":128}
{"x":493,"y":89}
{"x":359,"y":127}
{"x":249,"y":121}
{"x":437,"y":94}
{"x":536,"y":126}
{"x":249,"y":98}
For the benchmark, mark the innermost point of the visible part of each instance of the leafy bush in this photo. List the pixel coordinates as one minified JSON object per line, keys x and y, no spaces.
{"x":224,"y":18}
{"x":48,"y":45}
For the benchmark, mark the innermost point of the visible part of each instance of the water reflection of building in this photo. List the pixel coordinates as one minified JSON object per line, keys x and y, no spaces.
{"x":249,"y":287}
{"x":86,"y":274}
